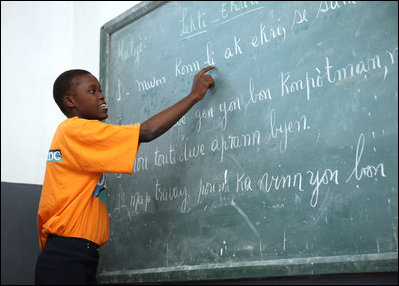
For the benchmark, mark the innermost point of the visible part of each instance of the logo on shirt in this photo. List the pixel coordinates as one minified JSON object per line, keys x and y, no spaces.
{"x":54,"y":156}
{"x":100,"y":190}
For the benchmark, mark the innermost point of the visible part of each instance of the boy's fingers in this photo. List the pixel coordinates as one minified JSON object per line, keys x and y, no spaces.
{"x":212,"y":86}
{"x":211,"y":82}
{"x":204,"y":70}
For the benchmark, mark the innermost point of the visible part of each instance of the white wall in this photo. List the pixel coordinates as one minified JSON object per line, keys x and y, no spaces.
{"x":39,"y":41}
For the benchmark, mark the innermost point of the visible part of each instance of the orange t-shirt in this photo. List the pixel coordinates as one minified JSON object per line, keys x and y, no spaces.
{"x":71,"y":202}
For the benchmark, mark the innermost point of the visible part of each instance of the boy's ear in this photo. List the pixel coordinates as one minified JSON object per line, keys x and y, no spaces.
{"x":69,"y":101}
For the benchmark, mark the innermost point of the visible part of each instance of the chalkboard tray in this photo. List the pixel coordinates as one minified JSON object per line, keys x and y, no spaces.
{"x":288,"y":167}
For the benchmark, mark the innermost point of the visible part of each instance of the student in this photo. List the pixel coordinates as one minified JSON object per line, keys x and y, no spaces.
{"x":72,"y":218}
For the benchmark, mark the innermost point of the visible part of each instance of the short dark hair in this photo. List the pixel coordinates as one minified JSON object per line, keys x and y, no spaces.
{"x":62,"y":85}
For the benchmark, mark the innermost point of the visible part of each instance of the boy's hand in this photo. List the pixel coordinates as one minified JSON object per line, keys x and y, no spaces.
{"x":202,"y":82}
{"x":160,"y":123}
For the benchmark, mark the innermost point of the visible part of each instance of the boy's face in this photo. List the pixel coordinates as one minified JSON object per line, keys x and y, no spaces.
{"x":85,"y":99}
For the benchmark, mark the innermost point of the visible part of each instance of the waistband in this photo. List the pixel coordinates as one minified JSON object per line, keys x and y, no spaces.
{"x":83,"y":242}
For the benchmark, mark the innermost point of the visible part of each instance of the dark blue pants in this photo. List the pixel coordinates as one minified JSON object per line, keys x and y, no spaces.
{"x":67,"y":260}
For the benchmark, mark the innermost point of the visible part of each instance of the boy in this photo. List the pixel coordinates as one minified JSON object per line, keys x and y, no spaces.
{"x":72,"y":220}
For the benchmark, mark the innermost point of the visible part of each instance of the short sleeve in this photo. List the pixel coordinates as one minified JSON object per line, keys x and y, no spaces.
{"x":108,"y":148}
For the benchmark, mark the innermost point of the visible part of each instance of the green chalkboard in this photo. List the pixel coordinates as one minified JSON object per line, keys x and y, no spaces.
{"x":288,"y":167}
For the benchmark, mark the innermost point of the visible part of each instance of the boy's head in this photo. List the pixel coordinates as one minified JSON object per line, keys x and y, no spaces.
{"x":78,"y":93}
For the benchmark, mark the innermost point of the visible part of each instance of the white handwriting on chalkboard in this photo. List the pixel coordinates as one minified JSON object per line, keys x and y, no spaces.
{"x":192,"y":24}
{"x":261,"y":95}
{"x":165,"y":159}
{"x":316,"y":180}
{"x":140,"y":163}
{"x":266,"y":183}
{"x":243,"y":183}
{"x":210,"y":61}
{"x":392,"y":55}
{"x":206,"y":188}
{"x":118,"y":98}
{"x":121,"y":204}
{"x":369,"y":171}
{"x":195,"y":22}
{"x":172,"y":157}
{"x":133,"y":201}
{"x":279,"y":182}
{"x":200,"y":114}
{"x":230,"y":107}
{"x":286,"y":87}
{"x":237,"y":49}
{"x":325,"y":6}
{"x":234,"y":9}
{"x":119,"y":93}
{"x":138,"y":200}
{"x":191,"y":152}
{"x":299,"y":18}
{"x":333,"y":76}
{"x":232,"y":142}
{"x":145,"y":85}
{"x":183,"y":69}
{"x":133,"y":49}
{"x":172,"y":193}
{"x":286,"y":128}
{"x":266,"y":35}
{"x":350,"y":70}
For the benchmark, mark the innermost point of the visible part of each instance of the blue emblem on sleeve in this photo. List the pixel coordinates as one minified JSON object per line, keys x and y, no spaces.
{"x":100,"y":190}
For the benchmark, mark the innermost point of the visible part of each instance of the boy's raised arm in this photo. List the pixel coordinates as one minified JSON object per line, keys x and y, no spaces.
{"x":160,"y":123}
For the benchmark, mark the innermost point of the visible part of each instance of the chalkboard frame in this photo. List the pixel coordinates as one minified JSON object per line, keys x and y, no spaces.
{"x":346,"y":264}
{"x":343,"y":264}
